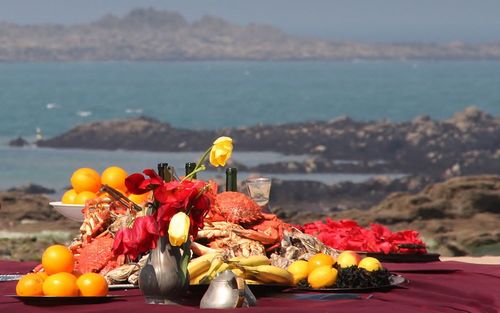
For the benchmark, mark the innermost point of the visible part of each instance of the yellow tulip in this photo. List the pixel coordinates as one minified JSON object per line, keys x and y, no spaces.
{"x":221,"y":151}
{"x":178,"y":229}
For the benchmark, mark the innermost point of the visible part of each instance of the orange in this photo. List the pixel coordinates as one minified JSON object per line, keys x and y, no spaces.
{"x":322,"y":277}
{"x":30,"y":285}
{"x":84,"y":196}
{"x":92,"y":285}
{"x":61,"y":285}
{"x":299,"y":270}
{"x":140,"y":199}
{"x":320,"y":259}
{"x":43,"y":275}
{"x":69,"y":196}
{"x":57,"y":258}
{"x":85,"y":179}
{"x":114,"y":176}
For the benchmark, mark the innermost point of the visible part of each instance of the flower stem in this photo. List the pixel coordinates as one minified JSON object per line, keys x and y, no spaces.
{"x":199,"y":165}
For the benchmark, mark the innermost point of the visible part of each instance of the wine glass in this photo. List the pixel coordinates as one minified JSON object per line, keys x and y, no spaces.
{"x":259,"y":189}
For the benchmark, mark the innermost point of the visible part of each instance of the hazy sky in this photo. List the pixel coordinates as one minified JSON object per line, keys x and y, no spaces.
{"x":362,"y":20}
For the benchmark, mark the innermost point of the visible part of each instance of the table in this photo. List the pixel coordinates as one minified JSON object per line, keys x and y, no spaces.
{"x":433,"y":287}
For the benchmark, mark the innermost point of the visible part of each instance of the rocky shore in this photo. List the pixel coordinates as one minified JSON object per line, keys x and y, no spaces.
{"x":459,"y":216}
{"x":466,"y":144}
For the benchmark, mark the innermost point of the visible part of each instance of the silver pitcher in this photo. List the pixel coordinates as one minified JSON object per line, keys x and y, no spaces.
{"x":227,"y":291}
{"x":160,"y":280}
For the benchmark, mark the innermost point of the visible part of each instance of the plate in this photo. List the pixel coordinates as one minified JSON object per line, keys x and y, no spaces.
{"x":403,"y":257}
{"x":394,"y":281}
{"x":123,"y":286}
{"x":260,"y":289}
{"x":50,"y":301}
{"x":71,"y":211}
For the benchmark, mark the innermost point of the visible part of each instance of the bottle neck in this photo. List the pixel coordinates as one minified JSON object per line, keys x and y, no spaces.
{"x":164,"y":171}
{"x":190,"y":166}
{"x":231,"y":179}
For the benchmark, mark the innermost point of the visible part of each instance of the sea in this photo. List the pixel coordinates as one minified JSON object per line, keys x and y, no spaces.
{"x":47,"y":99}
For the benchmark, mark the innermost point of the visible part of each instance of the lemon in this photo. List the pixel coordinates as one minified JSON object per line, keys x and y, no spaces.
{"x":370,"y":264}
{"x":320,"y":259}
{"x":322,"y":277}
{"x":299,"y":270}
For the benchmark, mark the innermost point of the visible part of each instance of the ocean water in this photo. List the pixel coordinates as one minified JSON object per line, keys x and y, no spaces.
{"x":54,"y":97}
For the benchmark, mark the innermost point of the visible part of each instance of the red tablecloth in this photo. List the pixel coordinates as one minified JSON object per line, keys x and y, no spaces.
{"x":433,"y":287}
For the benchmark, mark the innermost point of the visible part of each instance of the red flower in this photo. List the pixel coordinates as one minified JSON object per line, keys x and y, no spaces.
{"x":190,"y":196}
{"x":141,"y":238}
{"x":138,"y":184}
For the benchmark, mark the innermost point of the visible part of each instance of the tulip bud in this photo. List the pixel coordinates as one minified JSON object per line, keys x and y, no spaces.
{"x":221,"y":151}
{"x":178,"y":229}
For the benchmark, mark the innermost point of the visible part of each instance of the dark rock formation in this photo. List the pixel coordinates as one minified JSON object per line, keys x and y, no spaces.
{"x":466,"y":144}
{"x":141,"y":133}
{"x":18,"y":142}
{"x":33,"y":189}
{"x":314,"y":196}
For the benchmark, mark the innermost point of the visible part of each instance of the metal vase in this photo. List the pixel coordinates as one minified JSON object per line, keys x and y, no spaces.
{"x":161,"y":279}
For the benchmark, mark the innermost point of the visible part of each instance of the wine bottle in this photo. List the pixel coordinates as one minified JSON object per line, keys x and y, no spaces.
{"x":190,"y":166}
{"x":165,"y":171}
{"x":231,"y":179}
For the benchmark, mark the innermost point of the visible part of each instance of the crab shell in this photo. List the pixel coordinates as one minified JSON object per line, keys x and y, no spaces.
{"x":235,"y":207}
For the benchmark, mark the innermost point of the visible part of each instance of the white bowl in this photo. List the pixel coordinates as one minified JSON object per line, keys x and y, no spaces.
{"x":71,"y":211}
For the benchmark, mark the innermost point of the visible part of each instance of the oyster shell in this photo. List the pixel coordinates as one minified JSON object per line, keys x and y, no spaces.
{"x":296,"y":245}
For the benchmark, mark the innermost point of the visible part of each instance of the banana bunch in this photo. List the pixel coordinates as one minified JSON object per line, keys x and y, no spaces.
{"x":255,"y":269}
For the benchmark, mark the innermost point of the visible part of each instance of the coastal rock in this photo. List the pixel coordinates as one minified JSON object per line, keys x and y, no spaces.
{"x":469,"y":141}
{"x":313,"y":197}
{"x":32,"y":189}
{"x":18,"y":142}
{"x":141,"y":133}
{"x":28,"y":225}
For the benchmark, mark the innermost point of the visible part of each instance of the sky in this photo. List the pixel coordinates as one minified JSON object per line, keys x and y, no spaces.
{"x":356,"y":20}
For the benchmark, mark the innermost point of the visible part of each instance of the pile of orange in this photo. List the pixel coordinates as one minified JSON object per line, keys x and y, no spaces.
{"x":58,"y":278}
{"x":87,"y":182}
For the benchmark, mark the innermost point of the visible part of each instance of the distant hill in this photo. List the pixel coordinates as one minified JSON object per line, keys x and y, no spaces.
{"x":149,"y":34}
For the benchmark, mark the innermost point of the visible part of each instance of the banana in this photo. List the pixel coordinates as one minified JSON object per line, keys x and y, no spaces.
{"x":212,"y":271}
{"x":196,"y":280}
{"x":238,"y":272}
{"x":253,"y":282}
{"x":208,"y":256}
{"x":253,"y":260}
{"x":195,"y":269}
{"x":271,"y":274}
{"x":221,"y":268}
{"x":201,"y":264}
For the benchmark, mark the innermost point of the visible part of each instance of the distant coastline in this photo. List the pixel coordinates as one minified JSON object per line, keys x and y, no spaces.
{"x":151,"y":35}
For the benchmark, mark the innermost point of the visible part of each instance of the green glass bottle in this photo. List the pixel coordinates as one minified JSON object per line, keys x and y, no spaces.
{"x":231,"y":179}
{"x":190,"y":166}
